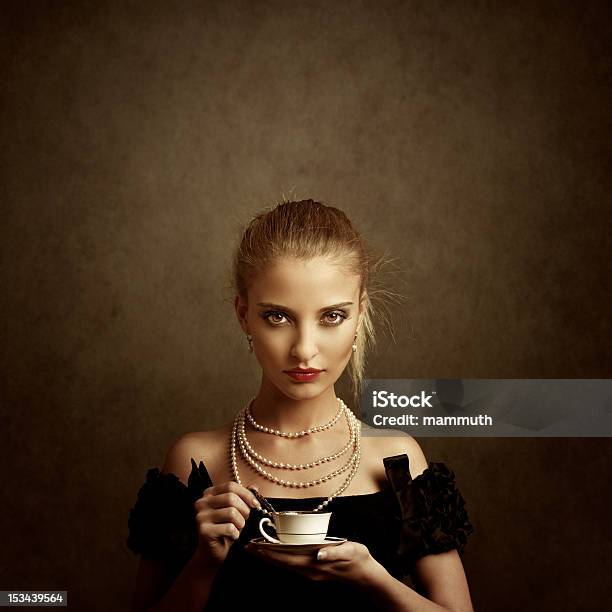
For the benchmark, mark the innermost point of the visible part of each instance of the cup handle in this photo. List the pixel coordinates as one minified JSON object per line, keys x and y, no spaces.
{"x":264,"y":521}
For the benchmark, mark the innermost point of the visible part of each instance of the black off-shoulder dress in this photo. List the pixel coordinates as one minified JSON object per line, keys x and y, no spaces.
{"x":407,"y":520}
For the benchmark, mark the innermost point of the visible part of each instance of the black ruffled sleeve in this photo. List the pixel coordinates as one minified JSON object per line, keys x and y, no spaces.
{"x":162,"y":523}
{"x":431,"y":509}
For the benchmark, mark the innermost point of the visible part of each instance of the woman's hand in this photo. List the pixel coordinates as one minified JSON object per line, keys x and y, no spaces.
{"x":221,"y":513}
{"x":348,"y":562}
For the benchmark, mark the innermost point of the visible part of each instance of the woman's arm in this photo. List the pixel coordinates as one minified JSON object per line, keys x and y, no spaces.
{"x":190,"y":591}
{"x":440,"y":577}
{"x":154,"y":588}
{"x":151,"y":583}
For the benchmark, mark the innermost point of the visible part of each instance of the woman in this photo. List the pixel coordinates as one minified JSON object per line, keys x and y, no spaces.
{"x":303,"y":280}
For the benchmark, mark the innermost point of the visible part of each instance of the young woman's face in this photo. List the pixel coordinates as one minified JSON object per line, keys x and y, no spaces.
{"x":302,"y":314}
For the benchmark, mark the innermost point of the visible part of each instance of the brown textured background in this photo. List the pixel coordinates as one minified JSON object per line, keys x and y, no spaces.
{"x":470,"y":138}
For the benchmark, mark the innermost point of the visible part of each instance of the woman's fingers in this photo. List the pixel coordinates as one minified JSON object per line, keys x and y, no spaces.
{"x":226,"y":530}
{"x":221,"y":513}
{"x":227,"y":515}
{"x":229,"y":500}
{"x":229,"y":494}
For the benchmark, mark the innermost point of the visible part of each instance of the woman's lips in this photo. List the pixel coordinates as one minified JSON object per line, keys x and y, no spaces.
{"x":304,"y":376}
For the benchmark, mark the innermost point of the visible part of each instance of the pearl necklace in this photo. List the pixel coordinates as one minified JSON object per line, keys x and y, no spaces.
{"x":244,"y":442}
{"x":354,"y":425}
{"x":291,"y":483}
{"x":295,"y":434}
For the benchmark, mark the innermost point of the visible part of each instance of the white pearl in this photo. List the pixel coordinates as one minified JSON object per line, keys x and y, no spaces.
{"x":354,"y":426}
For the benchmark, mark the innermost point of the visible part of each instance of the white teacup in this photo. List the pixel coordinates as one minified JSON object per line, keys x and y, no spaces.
{"x":297,"y":527}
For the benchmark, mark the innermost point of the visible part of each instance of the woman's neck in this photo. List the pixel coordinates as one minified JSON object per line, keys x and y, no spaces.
{"x":271,"y":409}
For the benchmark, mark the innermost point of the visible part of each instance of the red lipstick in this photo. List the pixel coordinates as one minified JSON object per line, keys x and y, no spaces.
{"x":303,"y":374}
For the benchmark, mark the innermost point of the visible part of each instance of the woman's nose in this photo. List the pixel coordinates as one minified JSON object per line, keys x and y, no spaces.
{"x":305,"y":345}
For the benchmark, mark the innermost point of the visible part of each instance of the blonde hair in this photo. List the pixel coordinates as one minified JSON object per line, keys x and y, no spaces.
{"x":307,"y":229}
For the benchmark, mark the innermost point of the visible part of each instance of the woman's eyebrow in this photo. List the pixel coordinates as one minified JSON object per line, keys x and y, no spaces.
{"x":279,"y":307}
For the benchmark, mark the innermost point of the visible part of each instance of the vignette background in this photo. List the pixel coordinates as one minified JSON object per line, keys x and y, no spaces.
{"x":470,"y":139}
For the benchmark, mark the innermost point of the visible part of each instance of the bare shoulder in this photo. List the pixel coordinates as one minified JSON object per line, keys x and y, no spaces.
{"x":204,"y":446}
{"x":390,"y":442}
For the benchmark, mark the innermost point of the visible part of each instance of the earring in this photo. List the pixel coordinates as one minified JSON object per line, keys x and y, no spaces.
{"x":355,"y":343}
{"x":250,"y":340}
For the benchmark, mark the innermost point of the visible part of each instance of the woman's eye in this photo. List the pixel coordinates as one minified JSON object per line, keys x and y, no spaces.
{"x":338,"y":317}
{"x":275,"y":314}
{"x":277,"y":318}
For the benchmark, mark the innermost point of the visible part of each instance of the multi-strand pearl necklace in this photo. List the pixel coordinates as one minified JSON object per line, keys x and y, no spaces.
{"x":295,"y":434}
{"x":242,"y":439}
{"x":238,"y":438}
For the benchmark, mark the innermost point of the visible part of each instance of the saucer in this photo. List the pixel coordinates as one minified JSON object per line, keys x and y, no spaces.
{"x":298,"y":549}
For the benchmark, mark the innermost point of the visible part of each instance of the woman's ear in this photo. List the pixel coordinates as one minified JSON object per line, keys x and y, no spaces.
{"x":242,"y":308}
